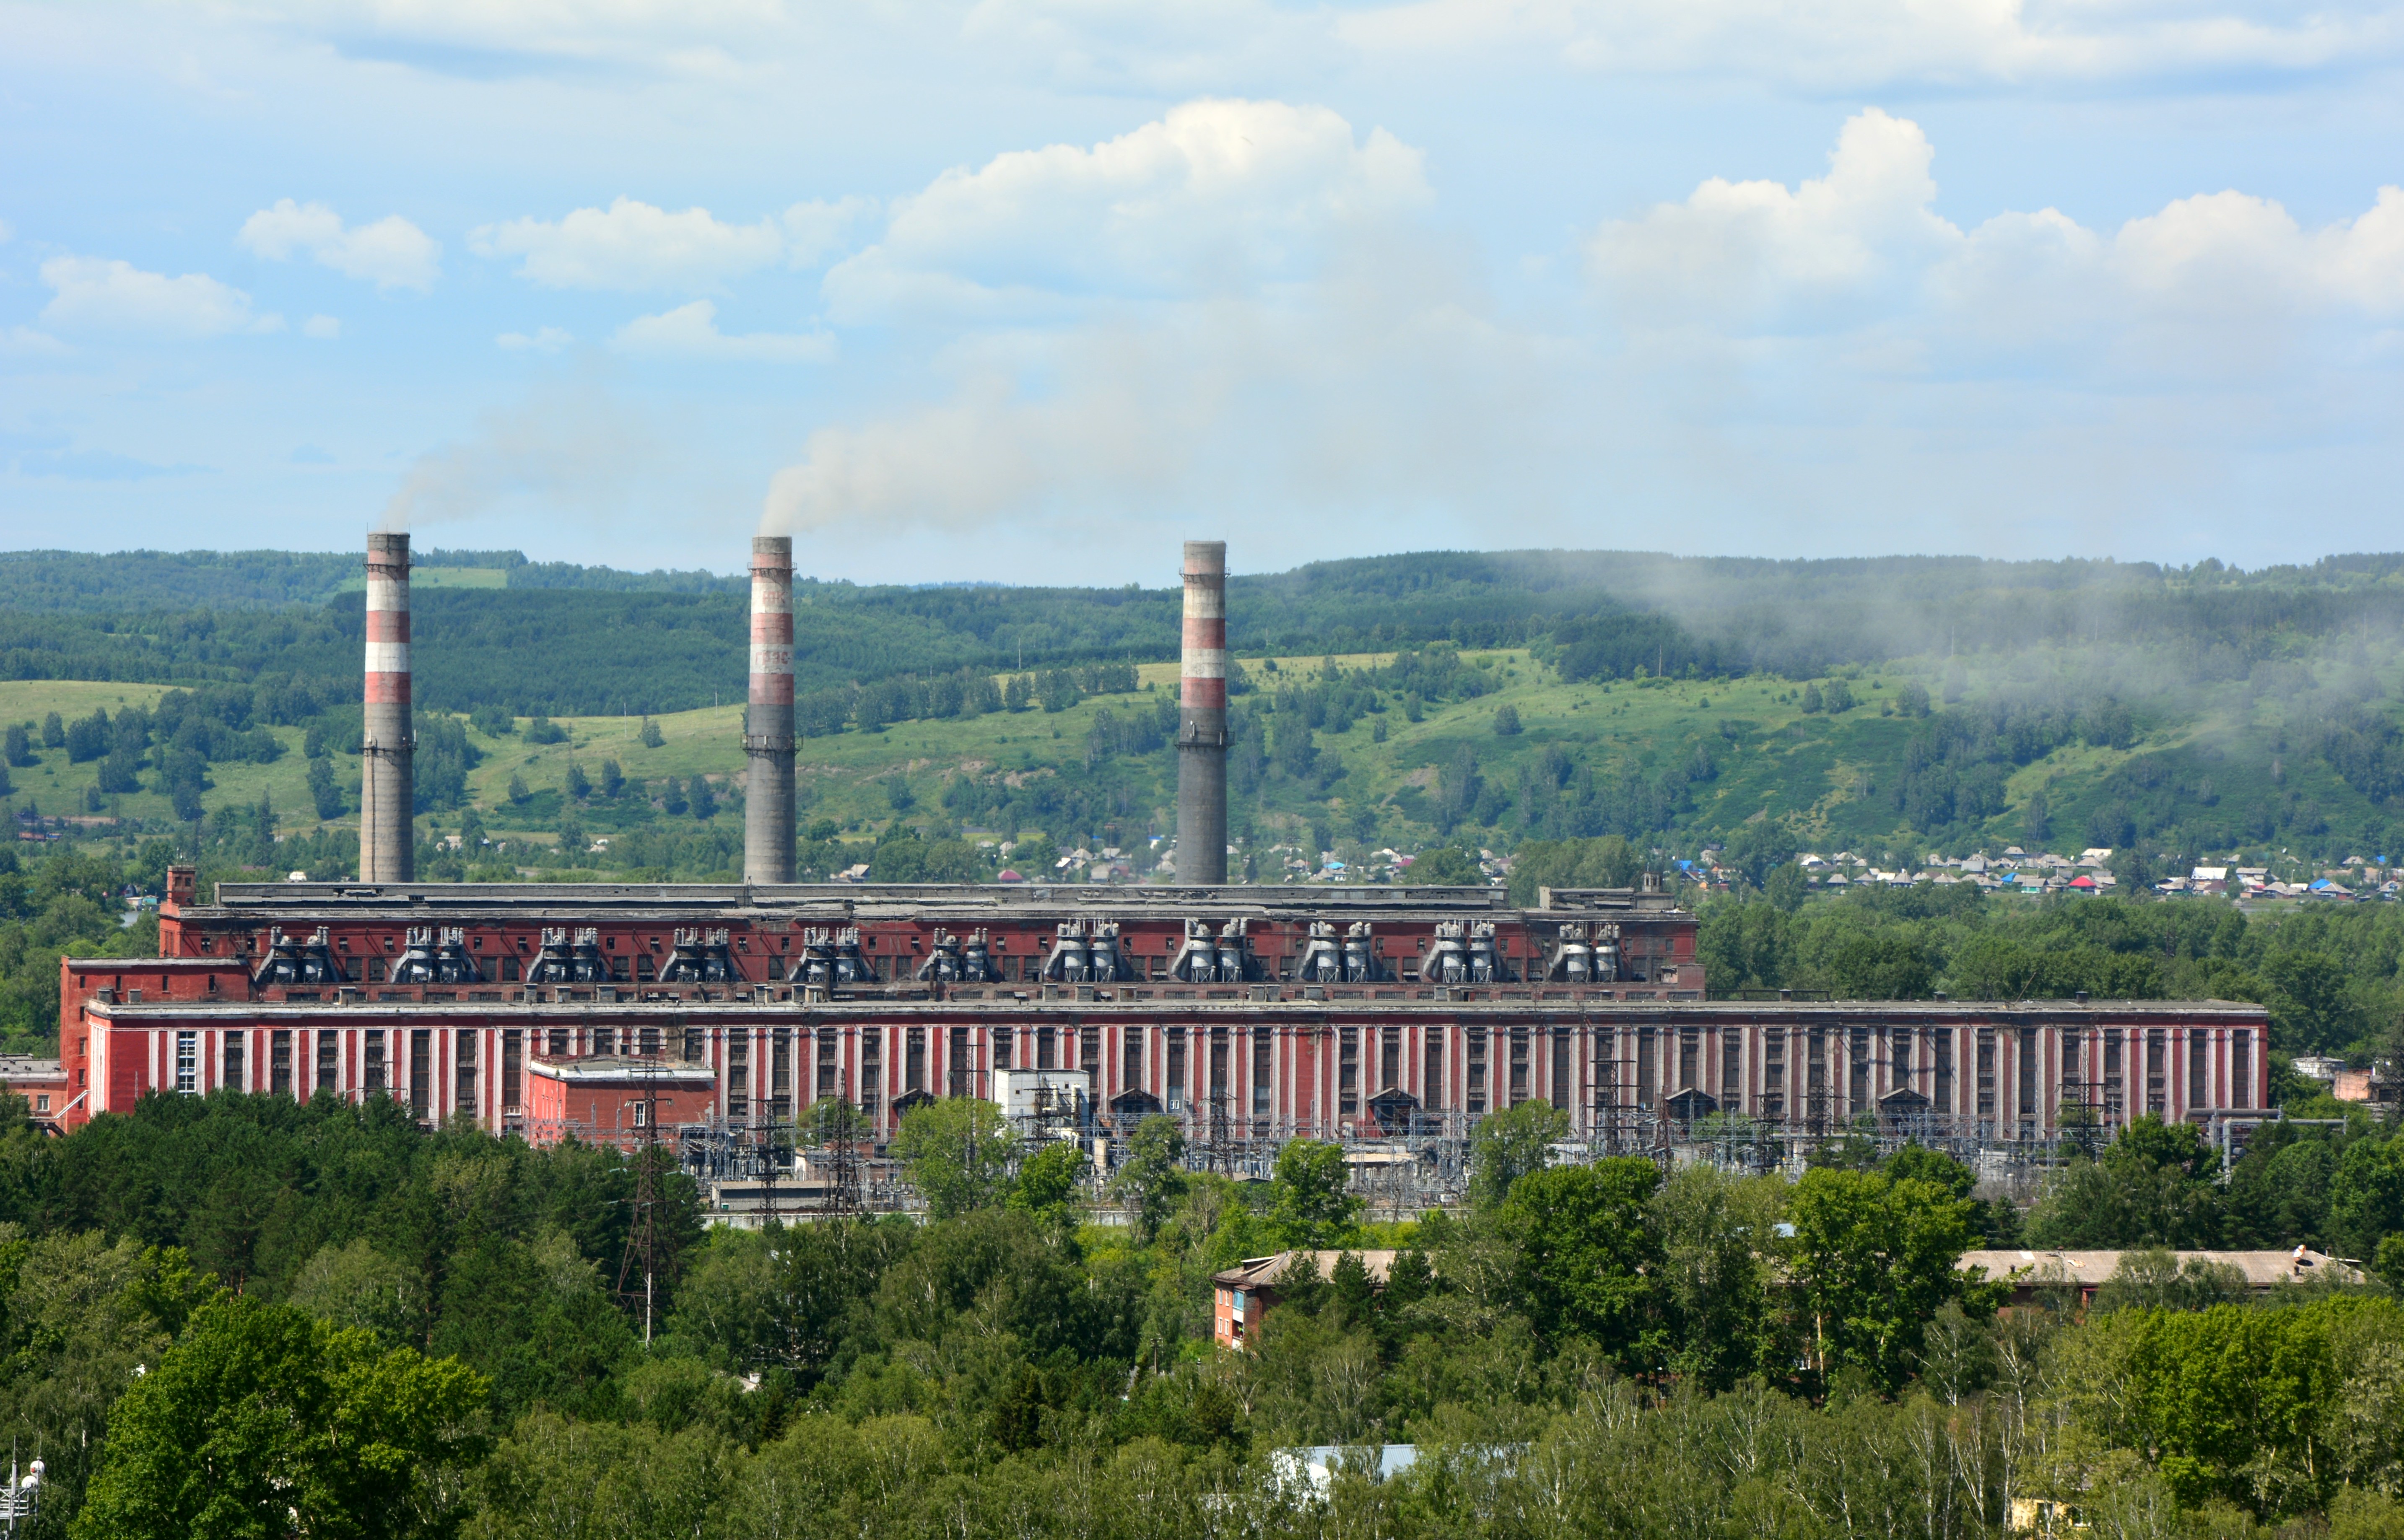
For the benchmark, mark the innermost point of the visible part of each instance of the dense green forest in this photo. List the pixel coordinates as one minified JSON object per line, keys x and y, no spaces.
{"x":1943,"y":701}
{"x":200,"y":615}
{"x":248,"y":1316}
{"x":1889,"y":703}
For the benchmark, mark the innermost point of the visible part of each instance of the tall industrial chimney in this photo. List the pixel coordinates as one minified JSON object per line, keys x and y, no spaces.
{"x":387,"y":788}
{"x":768,"y":726}
{"x":1202,"y":723}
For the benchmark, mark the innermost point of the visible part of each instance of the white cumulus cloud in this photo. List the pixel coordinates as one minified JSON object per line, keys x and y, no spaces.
{"x":691,"y":331}
{"x":1870,"y":43}
{"x":1174,"y":48}
{"x":98,"y":294}
{"x":1238,"y":308}
{"x":1863,"y":247}
{"x":1216,"y":196}
{"x":1760,"y":250}
{"x":322,"y":328}
{"x":391,"y":252}
{"x":548,"y":339}
{"x":1244,"y":312}
{"x":634,"y":247}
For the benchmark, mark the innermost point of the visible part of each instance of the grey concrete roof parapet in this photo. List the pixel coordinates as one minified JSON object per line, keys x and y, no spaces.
{"x":899,"y":900}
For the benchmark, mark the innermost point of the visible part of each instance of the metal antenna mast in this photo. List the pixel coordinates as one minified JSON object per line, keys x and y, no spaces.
{"x":767,"y":1146}
{"x":642,"y":1236}
{"x":1219,"y":1145}
{"x":844,"y":1197}
{"x":22,"y":1501}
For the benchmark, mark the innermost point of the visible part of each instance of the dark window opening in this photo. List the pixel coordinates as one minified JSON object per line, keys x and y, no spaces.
{"x":421,"y":1069}
{"x":464,"y":1075}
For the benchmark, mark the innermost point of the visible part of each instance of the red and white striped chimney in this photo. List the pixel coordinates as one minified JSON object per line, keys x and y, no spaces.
{"x":768,"y":739}
{"x":387,"y":787}
{"x":1202,"y":718}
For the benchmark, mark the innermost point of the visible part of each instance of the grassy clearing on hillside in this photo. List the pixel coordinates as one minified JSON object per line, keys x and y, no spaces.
{"x":57,"y":787}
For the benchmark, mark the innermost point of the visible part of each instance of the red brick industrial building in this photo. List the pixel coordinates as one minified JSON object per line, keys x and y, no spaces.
{"x":1324,"y":1011}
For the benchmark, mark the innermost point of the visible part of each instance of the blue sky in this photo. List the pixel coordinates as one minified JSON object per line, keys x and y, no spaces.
{"x":1031,"y":289}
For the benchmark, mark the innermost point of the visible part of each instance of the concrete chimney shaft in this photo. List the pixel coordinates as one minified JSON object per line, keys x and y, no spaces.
{"x":1202,"y":719}
{"x":768,"y":739}
{"x":387,"y":790}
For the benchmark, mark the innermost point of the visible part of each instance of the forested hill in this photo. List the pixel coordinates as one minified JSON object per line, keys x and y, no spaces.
{"x":616,"y":641}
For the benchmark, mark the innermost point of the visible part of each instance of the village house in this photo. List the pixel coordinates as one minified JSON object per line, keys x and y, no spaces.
{"x":1243,"y":1295}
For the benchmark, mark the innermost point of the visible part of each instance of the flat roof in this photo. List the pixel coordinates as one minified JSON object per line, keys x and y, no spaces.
{"x":1703,"y":1012}
{"x":834,"y":902}
{"x":622,"y":1069}
{"x":2261,"y":1270}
